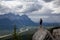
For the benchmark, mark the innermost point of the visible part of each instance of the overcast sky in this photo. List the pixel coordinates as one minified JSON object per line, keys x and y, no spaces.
{"x":48,"y":10}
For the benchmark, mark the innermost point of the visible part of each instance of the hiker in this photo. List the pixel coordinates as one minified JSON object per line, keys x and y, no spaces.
{"x":41,"y":22}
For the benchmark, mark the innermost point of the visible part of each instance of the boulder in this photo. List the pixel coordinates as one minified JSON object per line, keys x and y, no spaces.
{"x":40,"y":34}
{"x":56,"y":34}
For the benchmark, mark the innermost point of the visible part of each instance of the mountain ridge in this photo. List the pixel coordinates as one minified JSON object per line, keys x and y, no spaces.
{"x":8,"y":20}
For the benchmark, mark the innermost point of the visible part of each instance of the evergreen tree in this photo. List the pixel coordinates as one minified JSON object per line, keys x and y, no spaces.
{"x":15,"y":33}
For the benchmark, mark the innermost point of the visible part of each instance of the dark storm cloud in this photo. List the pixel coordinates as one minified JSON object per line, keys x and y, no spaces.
{"x":47,"y":0}
{"x":19,"y":7}
{"x":32,"y":8}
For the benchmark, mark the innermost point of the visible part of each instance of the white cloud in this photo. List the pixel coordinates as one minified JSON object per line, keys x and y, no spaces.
{"x":10,"y":4}
{"x":4,"y":9}
{"x":35,"y":9}
{"x":57,"y":10}
{"x":32,"y":7}
{"x":22,"y":0}
{"x":56,"y":3}
{"x":56,"y":7}
{"x":52,"y":5}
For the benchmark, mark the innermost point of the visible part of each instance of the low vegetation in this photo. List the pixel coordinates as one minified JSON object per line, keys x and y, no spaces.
{"x":26,"y":35}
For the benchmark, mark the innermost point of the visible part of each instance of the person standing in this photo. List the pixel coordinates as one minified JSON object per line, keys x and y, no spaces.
{"x":41,"y":22}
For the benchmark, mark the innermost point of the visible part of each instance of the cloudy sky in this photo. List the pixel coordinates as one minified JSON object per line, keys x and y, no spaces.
{"x":48,"y":10}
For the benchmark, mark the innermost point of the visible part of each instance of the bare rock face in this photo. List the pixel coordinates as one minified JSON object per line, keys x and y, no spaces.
{"x":40,"y":34}
{"x":56,"y":34}
{"x":43,"y":34}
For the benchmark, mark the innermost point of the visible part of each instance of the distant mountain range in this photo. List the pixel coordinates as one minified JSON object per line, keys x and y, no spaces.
{"x":8,"y":20}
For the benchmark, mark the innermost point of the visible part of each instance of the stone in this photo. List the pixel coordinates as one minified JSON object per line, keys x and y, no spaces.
{"x":40,"y":34}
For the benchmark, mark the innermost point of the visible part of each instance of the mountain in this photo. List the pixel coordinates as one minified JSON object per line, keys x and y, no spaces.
{"x":8,"y":20}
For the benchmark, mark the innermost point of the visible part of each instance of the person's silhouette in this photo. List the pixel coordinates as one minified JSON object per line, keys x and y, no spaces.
{"x":41,"y":22}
